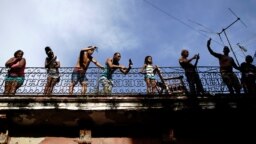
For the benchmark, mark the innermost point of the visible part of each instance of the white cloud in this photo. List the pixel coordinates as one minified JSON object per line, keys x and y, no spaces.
{"x":130,"y":26}
{"x":31,"y":25}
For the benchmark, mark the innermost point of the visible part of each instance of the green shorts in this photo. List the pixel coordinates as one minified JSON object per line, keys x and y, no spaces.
{"x":20,"y":80}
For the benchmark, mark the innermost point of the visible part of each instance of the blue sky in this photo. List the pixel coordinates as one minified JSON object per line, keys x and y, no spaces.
{"x":136,"y":28}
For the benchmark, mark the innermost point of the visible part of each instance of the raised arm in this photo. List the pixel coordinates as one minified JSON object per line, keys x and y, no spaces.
{"x":210,"y":49}
{"x":186,"y":61}
{"x":88,"y":48}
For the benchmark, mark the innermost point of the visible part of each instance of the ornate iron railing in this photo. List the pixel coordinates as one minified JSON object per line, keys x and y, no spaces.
{"x":132,"y":83}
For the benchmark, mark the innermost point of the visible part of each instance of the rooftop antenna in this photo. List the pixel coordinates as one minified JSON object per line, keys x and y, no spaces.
{"x":237,"y":17}
{"x":224,"y":31}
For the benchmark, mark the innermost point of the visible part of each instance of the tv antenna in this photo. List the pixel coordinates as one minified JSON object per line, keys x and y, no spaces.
{"x":224,"y":31}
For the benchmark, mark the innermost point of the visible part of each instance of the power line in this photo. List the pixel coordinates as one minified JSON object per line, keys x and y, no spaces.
{"x":237,"y":17}
{"x":177,"y":19}
{"x":208,"y":29}
{"x":166,"y":13}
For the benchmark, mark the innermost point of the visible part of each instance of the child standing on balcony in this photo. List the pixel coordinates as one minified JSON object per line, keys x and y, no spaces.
{"x":149,"y":74}
{"x":52,"y":64}
{"x":16,"y":73}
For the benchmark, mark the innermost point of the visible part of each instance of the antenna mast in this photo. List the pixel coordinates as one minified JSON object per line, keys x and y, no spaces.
{"x":224,"y":31}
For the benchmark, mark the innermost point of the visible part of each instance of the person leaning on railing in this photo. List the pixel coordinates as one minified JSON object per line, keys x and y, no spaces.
{"x":15,"y":75}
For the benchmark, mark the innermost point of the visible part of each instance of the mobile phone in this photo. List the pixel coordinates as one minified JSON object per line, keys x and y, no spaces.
{"x":130,"y":62}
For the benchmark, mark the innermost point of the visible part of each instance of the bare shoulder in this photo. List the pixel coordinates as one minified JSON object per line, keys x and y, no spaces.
{"x":23,"y":59}
{"x":181,"y":59}
{"x":109,"y":60}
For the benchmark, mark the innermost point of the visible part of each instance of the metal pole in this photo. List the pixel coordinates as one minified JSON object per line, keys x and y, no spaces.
{"x":224,"y":30}
{"x":231,"y":48}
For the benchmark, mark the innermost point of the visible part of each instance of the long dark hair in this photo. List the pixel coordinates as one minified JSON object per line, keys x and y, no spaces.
{"x":146,"y":60}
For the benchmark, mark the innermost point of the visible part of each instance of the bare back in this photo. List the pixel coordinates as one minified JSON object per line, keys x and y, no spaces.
{"x":86,"y":62}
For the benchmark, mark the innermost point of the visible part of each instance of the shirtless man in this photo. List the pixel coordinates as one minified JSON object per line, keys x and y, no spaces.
{"x":191,"y":73}
{"x":79,"y":72}
{"x":227,"y":64}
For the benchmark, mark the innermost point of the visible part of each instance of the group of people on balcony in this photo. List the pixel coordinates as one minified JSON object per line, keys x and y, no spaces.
{"x":226,"y":63}
{"x":16,"y":75}
{"x":16,"y":71}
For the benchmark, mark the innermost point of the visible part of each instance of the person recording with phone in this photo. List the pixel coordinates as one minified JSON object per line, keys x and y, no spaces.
{"x":191,"y":73}
{"x":52,"y":64}
{"x":16,"y":73}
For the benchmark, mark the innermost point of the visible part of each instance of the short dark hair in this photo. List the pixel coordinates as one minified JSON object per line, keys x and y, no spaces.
{"x":249,"y":59}
{"x":183,"y":52}
{"x":47,"y":49}
{"x":18,"y":51}
{"x":116,"y":53}
{"x":226,"y":48}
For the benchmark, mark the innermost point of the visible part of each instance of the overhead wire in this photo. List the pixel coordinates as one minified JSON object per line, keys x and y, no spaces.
{"x":179,"y":20}
{"x":208,"y":30}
